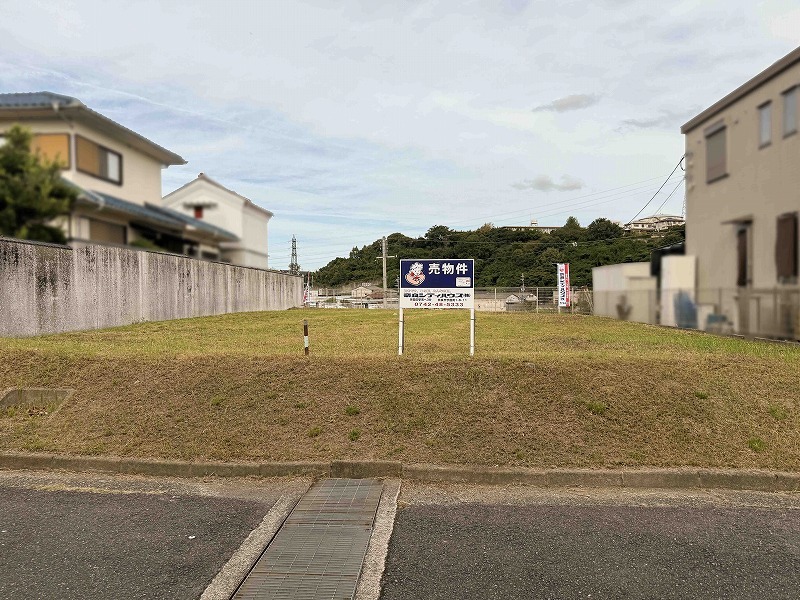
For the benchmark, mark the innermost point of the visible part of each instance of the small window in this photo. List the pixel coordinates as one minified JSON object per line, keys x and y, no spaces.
{"x":765,"y":124}
{"x":53,"y":147}
{"x":786,"y":248}
{"x":98,"y":161}
{"x":716,"y":164}
{"x":109,"y":233}
{"x":198,"y":212}
{"x":790,"y":111}
{"x":742,"y":262}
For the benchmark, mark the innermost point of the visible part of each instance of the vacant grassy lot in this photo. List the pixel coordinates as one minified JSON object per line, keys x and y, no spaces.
{"x":542,"y":391}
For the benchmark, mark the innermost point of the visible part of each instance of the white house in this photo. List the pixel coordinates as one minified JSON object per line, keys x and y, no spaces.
{"x":117,"y":173}
{"x":655,"y":223}
{"x":208,"y":201}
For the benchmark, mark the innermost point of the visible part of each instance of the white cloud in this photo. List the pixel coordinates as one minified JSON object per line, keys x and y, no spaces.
{"x":571,"y":102}
{"x":544,"y":183}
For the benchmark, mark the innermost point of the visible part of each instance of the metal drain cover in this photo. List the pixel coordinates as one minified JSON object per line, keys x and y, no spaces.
{"x":318,"y":552}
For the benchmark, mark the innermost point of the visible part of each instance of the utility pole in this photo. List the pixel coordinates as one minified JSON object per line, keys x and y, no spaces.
{"x":294,"y":268}
{"x":522,"y":289}
{"x":385,"y":247}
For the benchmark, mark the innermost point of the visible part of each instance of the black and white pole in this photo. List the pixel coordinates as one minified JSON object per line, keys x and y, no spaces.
{"x":472,"y":332}
{"x":305,"y":335}
{"x":400,"y":335}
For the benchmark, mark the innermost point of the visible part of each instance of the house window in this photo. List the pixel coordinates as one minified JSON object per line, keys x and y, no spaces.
{"x":98,"y":161}
{"x":765,"y":124}
{"x":716,"y":166}
{"x":198,"y":212}
{"x":742,"y":262}
{"x":108,"y":233}
{"x":52,"y":146}
{"x":786,"y":248}
{"x":790,"y":111}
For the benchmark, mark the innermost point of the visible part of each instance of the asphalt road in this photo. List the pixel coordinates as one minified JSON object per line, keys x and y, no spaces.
{"x":712,"y":546}
{"x":120,"y":538}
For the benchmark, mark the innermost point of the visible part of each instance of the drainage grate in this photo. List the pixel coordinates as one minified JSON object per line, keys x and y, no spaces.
{"x":318,"y":552}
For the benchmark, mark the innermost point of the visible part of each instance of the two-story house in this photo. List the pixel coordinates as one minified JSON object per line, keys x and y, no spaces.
{"x":206,"y":200}
{"x":118,"y":175}
{"x":743,"y":199}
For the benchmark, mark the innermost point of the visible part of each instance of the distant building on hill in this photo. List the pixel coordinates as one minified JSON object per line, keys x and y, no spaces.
{"x":534,"y":226}
{"x":655,"y":223}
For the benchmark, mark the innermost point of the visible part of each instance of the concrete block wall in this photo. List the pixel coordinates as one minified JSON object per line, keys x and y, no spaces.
{"x":51,"y":289}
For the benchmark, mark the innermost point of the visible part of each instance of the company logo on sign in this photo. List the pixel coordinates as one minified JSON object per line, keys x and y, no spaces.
{"x":414,"y":275}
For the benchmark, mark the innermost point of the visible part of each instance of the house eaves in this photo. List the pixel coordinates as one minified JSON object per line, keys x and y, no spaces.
{"x":195,"y":224}
{"x":40,"y":105}
{"x":203,"y":177}
{"x":769,"y":73}
{"x":153,"y":215}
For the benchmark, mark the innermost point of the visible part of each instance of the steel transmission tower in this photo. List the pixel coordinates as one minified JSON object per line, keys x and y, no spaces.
{"x":294,"y":267}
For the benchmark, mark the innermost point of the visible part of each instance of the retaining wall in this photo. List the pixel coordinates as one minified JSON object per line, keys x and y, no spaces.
{"x":51,"y":289}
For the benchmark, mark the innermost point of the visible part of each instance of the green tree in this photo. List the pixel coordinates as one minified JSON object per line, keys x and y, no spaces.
{"x":603,"y":229}
{"x":32,"y":192}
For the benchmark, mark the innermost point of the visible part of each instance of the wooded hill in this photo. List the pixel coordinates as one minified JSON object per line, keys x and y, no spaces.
{"x":502,"y":255}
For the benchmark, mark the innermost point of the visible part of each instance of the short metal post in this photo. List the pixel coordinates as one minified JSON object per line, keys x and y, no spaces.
{"x":305,"y":335}
{"x":472,"y":332}
{"x":401,"y":332}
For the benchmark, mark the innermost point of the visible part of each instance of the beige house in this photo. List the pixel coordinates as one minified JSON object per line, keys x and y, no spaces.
{"x":362,"y":291}
{"x":210,"y":202}
{"x":117,"y":172}
{"x":655,"y":223}
{"x":743,"y":199}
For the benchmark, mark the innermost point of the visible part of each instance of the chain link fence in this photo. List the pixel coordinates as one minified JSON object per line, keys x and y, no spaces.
{"x":768,"y":313}
{"x":495,"y":299}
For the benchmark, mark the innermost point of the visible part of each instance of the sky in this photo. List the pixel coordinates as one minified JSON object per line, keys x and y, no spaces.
{"x":351,"y":120}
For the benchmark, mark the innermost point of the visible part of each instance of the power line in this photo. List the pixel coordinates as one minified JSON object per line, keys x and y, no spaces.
{"x":659,"y":189}
{"x":658,"y":210}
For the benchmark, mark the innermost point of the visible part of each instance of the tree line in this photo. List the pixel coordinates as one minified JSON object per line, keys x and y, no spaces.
{"x":503,"y":255}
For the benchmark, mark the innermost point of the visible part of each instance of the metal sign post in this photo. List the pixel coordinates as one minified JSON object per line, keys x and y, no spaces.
{"x":437,"y":284}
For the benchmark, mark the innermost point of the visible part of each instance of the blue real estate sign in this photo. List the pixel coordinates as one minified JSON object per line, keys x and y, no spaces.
{"x":439,"y":283}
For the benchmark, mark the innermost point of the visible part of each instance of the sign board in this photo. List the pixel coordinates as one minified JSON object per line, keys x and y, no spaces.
{"x":437,"y":283}
{"x":563,"y":285}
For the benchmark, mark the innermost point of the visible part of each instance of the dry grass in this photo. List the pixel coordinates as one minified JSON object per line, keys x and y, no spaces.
{"x":542,"y":391}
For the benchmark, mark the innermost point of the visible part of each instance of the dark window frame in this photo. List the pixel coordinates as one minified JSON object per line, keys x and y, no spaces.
{"x":761,"y":108}
{"x":786,"y":248}
{"x":102,"y":149}
{"x":743,"y":275}
{"x":720,"y":172}
{"x":795,"y":89}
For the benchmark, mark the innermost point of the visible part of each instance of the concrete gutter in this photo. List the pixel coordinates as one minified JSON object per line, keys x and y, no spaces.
{"x":673,"y":478}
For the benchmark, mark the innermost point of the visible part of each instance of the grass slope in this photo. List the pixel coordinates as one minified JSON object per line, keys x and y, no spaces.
{"x":542,"y":391}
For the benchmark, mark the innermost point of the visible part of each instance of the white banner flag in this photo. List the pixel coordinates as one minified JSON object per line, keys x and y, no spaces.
{"x":563,"y":284}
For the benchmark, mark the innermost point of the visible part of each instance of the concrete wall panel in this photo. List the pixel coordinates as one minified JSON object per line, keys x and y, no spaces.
{"x":52,"y":289}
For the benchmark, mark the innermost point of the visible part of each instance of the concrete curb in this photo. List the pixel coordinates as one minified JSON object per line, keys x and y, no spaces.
{"x":161,"y":468}
{"x":675,"y":478}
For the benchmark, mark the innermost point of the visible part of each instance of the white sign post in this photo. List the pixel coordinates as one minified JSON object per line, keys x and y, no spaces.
{"x":437,"y":283}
